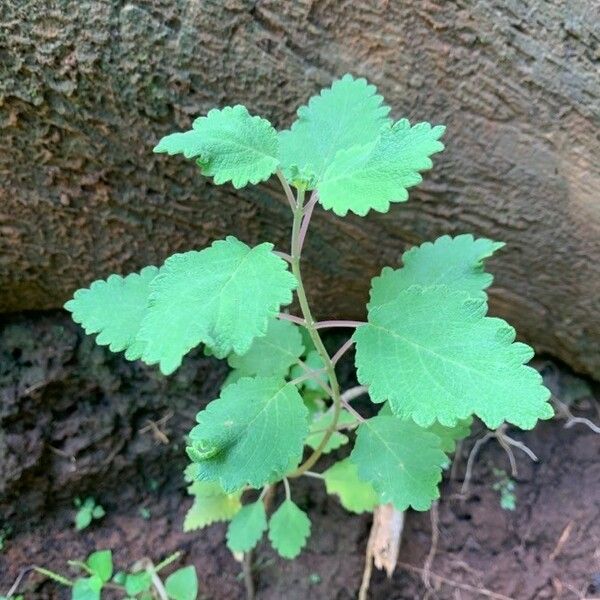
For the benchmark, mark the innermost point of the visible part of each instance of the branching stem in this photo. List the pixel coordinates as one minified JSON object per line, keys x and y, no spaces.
{"x":310,"y":325}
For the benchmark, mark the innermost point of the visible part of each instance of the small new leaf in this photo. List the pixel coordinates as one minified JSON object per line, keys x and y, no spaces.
{"x":87,"y":588}
{"x":401,"y":460}
{"x":211,"y":504}
{"x":348,"y":113}
{"x":319,"y":426}
{"x":182,"y":584}
{"x":355,"y":495}
{"x":272,"y":354}
{"x":223,"y":296}
{"x":289,"y":528}
{"x":114,"y":309}
{"x":371,"y":176}
{"x":252,"y":434}
{"x":456,"y":262}
{"x":101,"y":564}
{"x":229,"y":145}
{"x":247,"y":527}
{"x":448,"y":360}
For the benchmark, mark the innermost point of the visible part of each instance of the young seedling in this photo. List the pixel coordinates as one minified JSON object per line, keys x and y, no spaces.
{"x":141,"y":583}
{"x":428,"y":354}
{"x":506,"y":488}
{"x":87,"y":511}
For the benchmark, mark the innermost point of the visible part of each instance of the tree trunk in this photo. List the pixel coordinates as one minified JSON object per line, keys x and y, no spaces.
{"x":88,"y":87}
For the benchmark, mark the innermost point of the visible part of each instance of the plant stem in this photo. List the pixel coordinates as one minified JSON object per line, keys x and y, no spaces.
{"x":330,"y":324}
{"x":310,"y":325}
{"x":288,"y":190}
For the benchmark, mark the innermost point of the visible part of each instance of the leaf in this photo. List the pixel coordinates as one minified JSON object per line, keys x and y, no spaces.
{"x":222,"y":296}
{"x":247,"y":527}
{"x":434,"y":355}
{"x":136,"y":583}
{"x":272,"y":354}
{"x":370,"y":176}
{"x":251,"y":434}
{"x":314,"y":362}
{"x":448,"y":436}
{"x":318,"y":429}
{"x":211,"y":504}
{"x":182,"y":584}
{"x":348,"y":113}
{"x":401,"y":460}
{"x":229,"y":145}
{"x":101,"y":564}
{"x":289,"y":528}
{"x":355,"y":495}
{"x":83,"y":518}
{"x":114,"y":309}
{"x":87,"y":588}
{"x":455,"y":262}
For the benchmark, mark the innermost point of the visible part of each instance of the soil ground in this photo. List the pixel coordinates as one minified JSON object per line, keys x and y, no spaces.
{"x":74,"y":422}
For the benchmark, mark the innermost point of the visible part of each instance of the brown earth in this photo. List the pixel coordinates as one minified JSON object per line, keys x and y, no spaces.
{"x":73,"y":415}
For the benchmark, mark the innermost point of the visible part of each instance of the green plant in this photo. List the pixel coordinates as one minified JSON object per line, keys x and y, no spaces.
{"x":141,"y":583}
{"x":506,"y":486}
{"x":87,"y":511}
{"x":428,"y":354}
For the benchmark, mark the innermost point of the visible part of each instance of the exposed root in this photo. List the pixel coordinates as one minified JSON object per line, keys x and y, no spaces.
{"x":564,"y":412}
{"x":435,"y":536}
{"x":507,"y":444}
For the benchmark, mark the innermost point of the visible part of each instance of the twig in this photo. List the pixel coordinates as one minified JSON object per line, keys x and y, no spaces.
{"x":461,"y":586}
{"x":562,"y":540}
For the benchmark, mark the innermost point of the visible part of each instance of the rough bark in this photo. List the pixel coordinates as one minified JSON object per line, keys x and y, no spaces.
{"x":87,"y":88}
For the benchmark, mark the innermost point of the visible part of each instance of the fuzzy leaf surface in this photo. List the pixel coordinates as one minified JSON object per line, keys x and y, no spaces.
{"x":289,"y":528}
{"x":229,"y":145}
{"x":456,"y":262}
{"x":434,"y":355}
{"x":355,"y":495}
{"x":114,"y":308}
{"x":247,"y":527}
{"x":401,"y":460}
{"x":250,"y":435}
{"x":348,"y":113}
{"x":223,"y":296}
{"x":272,"y":354}
{"x":371,"y":176}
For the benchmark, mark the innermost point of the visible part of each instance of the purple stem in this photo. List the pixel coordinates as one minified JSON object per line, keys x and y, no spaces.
{"x":292,"y":318}
{"x":329,"y":324}
{"x":308,"y":211}
{"x":343,"y":349}
{"x":283,"y":255}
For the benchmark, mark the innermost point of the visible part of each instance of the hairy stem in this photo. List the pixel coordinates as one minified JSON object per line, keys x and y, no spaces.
{"x":310,"y":325}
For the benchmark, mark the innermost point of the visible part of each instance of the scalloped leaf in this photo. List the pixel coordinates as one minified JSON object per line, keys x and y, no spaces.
{"x":355,"y":495}
{"x":114,"y":308}
{"x":348,"y":113}
{"x":247,"y":527}
{"x":272,"y":354}
{"x":371,"y":176}
{"x":229,"y":145}
{"x":211,"y":504}
{"x":289,"y":528}
{"x":252,"y":434}
{"x":401,"y":460}
{"x":456,"y":262}
{"x":434,"y":355}
{"x":223,"y":296}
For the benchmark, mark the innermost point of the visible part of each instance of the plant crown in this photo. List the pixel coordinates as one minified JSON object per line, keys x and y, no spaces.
{"x":429,"y":356}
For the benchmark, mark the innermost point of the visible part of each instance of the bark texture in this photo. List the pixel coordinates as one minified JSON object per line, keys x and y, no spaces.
{"x":87,"y":87}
